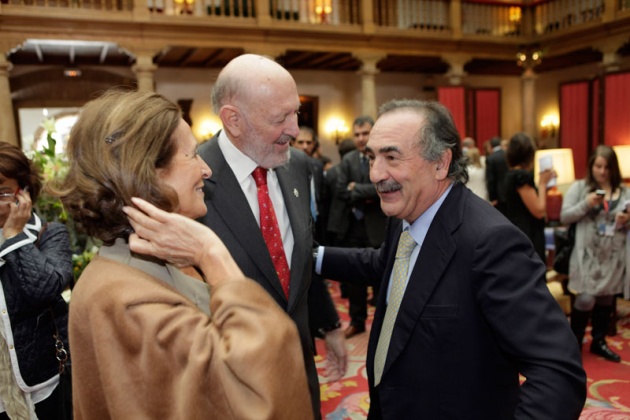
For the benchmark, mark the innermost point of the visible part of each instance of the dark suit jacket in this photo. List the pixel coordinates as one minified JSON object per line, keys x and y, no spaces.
{"x":363,"y":196}
{"x":496,"y":171}
{"x":336,"y":207}
{"x":317,"y":171}
{"x":231,"y":218}
{"x":475,"y":314}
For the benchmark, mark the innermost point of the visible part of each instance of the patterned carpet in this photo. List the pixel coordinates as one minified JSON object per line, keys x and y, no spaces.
{"x":608,"y":383}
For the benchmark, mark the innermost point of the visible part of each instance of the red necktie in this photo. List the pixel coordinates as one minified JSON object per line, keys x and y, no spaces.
{"x":270,"y":229}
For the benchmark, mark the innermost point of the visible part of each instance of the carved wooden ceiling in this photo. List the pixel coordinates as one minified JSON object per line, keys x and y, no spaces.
{"x":76,"y":54}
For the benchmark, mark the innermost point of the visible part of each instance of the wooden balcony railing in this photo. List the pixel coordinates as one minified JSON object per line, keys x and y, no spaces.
{"x":473,"y":18}
{"x":492,"y":19}
{"x":426,"y":15}
{"x":333,"y":12}
{"x":558,"y":15}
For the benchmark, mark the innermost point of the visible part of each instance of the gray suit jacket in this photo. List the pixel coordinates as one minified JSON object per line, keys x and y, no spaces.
{"x":230,"y":217}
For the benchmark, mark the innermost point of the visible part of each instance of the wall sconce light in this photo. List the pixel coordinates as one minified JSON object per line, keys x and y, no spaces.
{"x":183,"y":7}
{"x":514,"y":14}
{"x":562,"y":163}
{"x":72,"y":73}
{"x":207,"y":129}
{"x":549,"y":125}
{"x":336,"y":127}
{"x":323,"y":9}
{"x":623,"y":157}
{"x":529,"y":57}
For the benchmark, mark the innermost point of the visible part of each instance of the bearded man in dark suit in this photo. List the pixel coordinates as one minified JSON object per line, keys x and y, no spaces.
{"x":496,"y":171}
{"x":259,"y":110}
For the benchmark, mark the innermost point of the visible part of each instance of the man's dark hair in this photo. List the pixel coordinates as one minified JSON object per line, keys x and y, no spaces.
{"x":363,"y":120}
{"x":346,"y":146}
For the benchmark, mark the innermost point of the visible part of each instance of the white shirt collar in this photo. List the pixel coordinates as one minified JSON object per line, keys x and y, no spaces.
{"x":241,"y":164}
{"x":420,"y":226}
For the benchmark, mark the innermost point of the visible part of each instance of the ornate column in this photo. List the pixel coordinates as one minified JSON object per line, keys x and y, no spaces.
{"x":611,"y":60}
{"x":528,"y":86}
{"x":140,"y":11}
{"x":456,"y":18}
{"x":8,"y":131}
{"x":610,"y":7}
{"x":144,"y":70}
{"x":367,"y":11}
{"x":456,"y":63}
{"x":262,"y":13}
{"x":368,"y":72}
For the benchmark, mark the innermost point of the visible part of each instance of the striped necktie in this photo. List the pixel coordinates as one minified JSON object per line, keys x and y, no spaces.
{"x":399,"y":278}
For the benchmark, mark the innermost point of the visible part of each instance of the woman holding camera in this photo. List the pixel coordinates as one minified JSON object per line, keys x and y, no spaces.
{"x":35,"y":267}
{"x":598,"y":205}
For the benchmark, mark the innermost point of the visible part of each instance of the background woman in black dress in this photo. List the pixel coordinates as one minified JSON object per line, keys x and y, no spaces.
{"x":526,"y":202}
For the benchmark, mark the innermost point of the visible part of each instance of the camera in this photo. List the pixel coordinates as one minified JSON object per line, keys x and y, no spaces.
{"x":600,"y":193}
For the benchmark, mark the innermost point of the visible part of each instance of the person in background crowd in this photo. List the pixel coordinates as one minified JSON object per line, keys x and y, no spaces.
{"x":598,"y":269}
{"x":164,"y":323}
{"x":305,"y":141}
{"x":259,"y":182}
{"x":526,"y":204}
{"x":317,"y":154}
{"x":464,"y":307}
{"x":496,"y":170}
{"x":337,"y":206}
{"x":468,"y":143}
{"x":35,"y":267}
{"x":476,"y":173}
{"x":362,"y":222}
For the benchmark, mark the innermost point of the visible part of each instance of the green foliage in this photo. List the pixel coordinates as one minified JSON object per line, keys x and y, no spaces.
{"x":52,"y":167}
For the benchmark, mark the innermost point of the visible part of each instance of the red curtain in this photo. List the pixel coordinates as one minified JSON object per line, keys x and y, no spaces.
{"x":574,"y":117}
{"x":595,"y":113}
{"x":487,"y":114}
{"x":616,"y":109}
{"x":454,"y":98}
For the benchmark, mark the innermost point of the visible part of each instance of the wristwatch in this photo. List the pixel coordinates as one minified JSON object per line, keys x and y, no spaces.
{"x":330,"y":328}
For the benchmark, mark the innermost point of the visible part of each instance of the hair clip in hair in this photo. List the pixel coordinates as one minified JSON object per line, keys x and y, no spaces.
{"x":113,"y":137}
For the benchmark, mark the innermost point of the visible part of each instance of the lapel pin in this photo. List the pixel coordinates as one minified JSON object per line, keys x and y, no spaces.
{"x":295,"y":192}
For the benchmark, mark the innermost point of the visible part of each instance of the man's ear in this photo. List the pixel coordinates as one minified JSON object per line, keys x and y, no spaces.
{"x":442,"y":165}
{"x":231,"y":118}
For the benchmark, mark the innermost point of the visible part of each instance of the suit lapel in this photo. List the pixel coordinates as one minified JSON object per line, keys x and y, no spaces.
{"x":436,"y":252}
{"x":224,"y":194}
{"x":295,"y":192}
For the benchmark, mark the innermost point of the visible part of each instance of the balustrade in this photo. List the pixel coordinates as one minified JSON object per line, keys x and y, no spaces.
{"x":557,"y":15}
{"x":492,"y":19}
{"x":428,"y":15}
{"x":330,"y":12}
{"x":478,"y":17}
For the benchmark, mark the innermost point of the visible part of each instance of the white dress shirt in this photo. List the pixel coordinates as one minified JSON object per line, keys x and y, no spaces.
{"x":418,"y":231}
{"x":243,"y":166}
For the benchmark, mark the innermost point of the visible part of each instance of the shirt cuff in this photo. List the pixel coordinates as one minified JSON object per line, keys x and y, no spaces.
{"x":319,"y":259}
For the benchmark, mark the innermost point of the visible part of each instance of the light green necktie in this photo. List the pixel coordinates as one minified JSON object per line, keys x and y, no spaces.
{"x":399,"y":277}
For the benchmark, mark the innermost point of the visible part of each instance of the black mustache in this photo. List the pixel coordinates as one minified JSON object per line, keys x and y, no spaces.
{"x":387,"y":186}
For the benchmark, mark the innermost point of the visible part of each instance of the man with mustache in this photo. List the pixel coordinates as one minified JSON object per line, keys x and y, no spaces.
{"x":258,"y":199}
{"x":464,"y":308}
